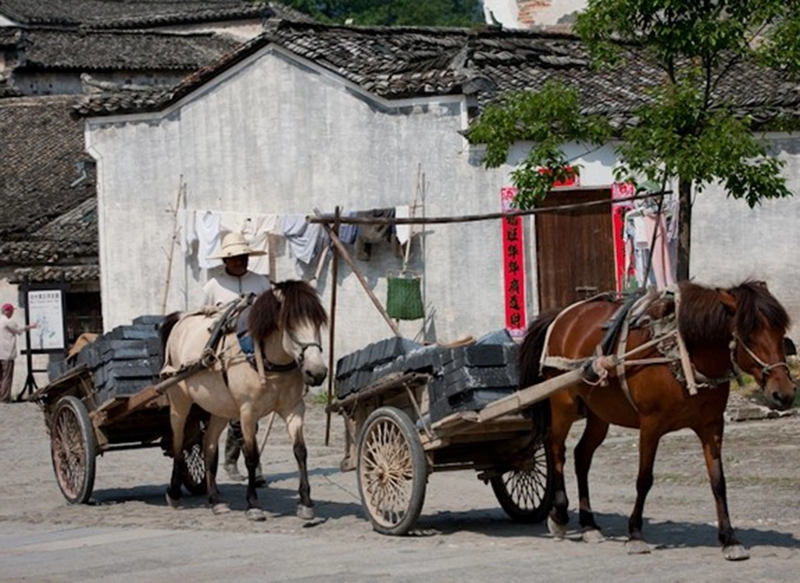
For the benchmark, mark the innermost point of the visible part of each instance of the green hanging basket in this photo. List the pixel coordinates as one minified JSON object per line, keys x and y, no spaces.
{"x":404,"y":298}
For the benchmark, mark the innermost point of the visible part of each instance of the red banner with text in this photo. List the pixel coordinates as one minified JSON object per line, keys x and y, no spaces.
{"x":513,"y":267}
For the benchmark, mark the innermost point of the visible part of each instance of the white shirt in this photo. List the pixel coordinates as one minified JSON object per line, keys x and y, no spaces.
{"x":9,"y":330}
{"x":225,"y":288}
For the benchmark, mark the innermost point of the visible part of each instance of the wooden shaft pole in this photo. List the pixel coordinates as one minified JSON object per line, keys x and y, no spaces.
{"x":334,"y":282}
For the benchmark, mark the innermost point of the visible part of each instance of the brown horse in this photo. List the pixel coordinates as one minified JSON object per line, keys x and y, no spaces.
{"x":285,"y":323}
{"x":724,"y":332}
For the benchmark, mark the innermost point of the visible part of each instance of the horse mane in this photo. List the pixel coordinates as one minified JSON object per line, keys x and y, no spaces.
{"x":703,"y":319}
{"x":288,"y":304}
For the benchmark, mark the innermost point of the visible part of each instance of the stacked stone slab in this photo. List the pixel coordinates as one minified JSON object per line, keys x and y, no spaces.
{"x":123,"y":361}
{"x":462,"y":379}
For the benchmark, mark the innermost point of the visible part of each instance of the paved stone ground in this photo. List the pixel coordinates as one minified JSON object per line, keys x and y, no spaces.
{"x":128,"y":533}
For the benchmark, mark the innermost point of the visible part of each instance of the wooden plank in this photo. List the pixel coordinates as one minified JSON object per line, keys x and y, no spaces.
{"x":516,"y":402}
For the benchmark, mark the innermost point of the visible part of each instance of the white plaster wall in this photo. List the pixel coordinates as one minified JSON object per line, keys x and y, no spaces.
{"x":277,"y":135}
{"x":273,"y":136}
{"x":731,"y":242}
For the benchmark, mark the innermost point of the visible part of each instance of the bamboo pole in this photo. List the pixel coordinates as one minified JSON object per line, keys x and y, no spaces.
{"x":320,"y":218}
{"x":171,"y":254}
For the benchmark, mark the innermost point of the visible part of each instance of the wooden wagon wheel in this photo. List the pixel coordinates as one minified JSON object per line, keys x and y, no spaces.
{"x":73,"y":448}
{"x":526,"y":493}
{"x":392,"y":471}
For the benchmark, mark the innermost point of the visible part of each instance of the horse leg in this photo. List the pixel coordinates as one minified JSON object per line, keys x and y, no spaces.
{"x":563,"y":414}
{"x":211,"y":456}
{"x":648,"y":445}
{"x":178,"y":412}
{"x":294,"y":425}
{"x":251,"y":458}
{"x":711,"y":438}
{"x":593,"y":435}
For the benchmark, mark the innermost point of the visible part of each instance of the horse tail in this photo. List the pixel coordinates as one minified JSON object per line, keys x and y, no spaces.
{"x":165,"y":329}
{"x":530,"y":372}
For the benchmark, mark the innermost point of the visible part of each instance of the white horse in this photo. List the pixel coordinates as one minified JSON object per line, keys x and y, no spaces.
{"x":285,"y":324}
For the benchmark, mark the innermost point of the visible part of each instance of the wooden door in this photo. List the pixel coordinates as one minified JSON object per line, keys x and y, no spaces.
{"x":575,"y":248}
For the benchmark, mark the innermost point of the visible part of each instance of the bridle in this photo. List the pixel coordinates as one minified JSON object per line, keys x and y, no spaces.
{"x":766,"y":369}
{"x":303,"y":346}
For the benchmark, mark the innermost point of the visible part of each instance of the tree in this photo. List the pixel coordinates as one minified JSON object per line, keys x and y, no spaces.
{"x":689,"y":129}
{"x":394,"y":12}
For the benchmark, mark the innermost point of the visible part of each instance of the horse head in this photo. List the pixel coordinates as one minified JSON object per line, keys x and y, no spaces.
{"x":289,"y":318}
{"x":758,"y":342}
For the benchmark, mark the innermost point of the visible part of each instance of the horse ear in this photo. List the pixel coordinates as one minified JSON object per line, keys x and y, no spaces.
{"x":727,"y":300}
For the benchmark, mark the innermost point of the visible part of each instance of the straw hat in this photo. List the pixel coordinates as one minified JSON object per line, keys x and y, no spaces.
{"x":234,"y":244}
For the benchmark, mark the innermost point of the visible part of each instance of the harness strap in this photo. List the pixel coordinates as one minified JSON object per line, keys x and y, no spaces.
{"x":686,"y":363}
{"x":260,"y":364}
{"x":623,"y":379}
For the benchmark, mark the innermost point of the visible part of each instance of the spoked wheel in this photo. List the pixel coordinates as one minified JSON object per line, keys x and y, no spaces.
{"x":193,"y":466}
{"x":392,"y":471}
{"x":73,"y":449}
{"x":526,"y":494}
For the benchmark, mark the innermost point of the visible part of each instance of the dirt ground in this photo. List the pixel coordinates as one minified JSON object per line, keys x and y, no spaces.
{"x":762,"y":465}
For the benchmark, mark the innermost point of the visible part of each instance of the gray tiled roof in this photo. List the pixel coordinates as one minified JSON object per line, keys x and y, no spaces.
{"x":55,"y":273}
{"x":86,"y":50}
{"x":417,"y":61}
{"x":139,"y":13}
{"x":42,"y":179}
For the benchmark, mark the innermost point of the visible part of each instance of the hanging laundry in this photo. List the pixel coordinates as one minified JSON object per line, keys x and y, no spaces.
{"x":649,"y":259}
{"x":348,"y":231}
{"x":306,"y":240}
{"x":375,"y":233}
{"x":207,"y":229}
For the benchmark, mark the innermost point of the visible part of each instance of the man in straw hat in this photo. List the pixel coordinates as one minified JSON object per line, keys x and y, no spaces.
{"x":219,"y":291}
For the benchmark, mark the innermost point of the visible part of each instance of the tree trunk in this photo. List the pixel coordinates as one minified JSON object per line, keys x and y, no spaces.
{"x":684,"y":228}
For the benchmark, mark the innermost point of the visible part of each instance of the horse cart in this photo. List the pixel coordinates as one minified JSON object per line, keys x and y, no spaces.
{"x":411,"y":410}
{"x":106,"y":398}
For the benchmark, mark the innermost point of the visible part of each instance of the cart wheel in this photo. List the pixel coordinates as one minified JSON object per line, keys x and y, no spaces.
{"x":73,"y":449}
{"x":527,"y":494}
{"x":193,"y":468}
{"x":392,"y":471}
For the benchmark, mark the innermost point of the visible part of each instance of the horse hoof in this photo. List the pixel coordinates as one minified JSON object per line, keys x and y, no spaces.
{"x":736,"y":553}
{"x":637,"y":547}
{"x":173,"y":502}
{"x":255,"y":515}
{"x":220,"y":508}
{"x":592,"y":535}
{"x":305,"y":512}
{"x":558,"y":531}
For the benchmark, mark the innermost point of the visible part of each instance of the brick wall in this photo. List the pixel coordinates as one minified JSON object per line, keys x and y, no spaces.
{"x":528,"y":10}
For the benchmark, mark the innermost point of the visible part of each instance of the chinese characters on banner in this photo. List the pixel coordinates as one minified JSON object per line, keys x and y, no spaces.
{"x":513,"y":267}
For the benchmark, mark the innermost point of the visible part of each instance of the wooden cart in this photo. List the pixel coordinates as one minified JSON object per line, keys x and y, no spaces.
{"x":394,"y":448}
{"x":81,"y":428}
